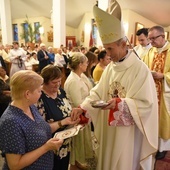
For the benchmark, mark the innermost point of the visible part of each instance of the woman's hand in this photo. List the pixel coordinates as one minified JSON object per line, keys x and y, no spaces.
{"x":53,"y":144}
{"x":69,"y":121}
{"x":76,"y":112}
{"x":17,"y":161}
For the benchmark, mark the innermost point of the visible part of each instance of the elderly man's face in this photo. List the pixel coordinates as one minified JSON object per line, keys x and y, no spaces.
{"x":157,"y":38}
{"x":43,"y":47}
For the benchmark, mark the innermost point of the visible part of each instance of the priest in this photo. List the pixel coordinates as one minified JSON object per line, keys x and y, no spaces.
{"x":126,"y":126}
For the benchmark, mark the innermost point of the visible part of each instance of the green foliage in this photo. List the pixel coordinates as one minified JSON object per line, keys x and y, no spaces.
{"x":29,"y":34}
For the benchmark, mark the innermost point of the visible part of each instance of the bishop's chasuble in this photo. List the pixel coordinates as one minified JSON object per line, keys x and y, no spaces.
{"x":126,"y":147}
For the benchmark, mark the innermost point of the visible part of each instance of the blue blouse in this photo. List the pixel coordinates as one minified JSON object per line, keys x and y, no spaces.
{"x":20,"y":134}
{"x":51,"y":57}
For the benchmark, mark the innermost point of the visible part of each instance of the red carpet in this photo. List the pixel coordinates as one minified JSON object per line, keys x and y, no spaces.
{"x":163,"y":164}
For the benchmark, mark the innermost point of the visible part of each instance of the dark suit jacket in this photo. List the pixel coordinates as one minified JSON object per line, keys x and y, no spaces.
{"x":4,"y":99}
{"x":3,"y":63}
{"x":42,"y":61}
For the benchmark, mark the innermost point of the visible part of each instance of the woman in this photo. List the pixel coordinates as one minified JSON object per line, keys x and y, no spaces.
{"x":92,"y":61}
{"x":25,"y":138}
{"x":77,"y":87}
{"x":51,"y":54}
{"x":104,"y":60}
{"x":54,"y":106}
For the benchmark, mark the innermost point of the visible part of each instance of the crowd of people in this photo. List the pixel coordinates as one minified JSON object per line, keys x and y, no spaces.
{"x":130,"y":129}
{"x":52,"y":102}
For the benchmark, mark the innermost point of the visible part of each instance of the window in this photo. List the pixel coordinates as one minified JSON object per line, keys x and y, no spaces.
{"x":15,"y":32}
{"x":37,"y":33}
{"x":26,"y":32}
{"x":94,"y":32}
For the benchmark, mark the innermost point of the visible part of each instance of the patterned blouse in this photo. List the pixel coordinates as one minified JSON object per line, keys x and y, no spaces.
{"x":55,"y":110}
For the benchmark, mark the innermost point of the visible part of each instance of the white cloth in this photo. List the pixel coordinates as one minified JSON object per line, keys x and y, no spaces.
{"x":59,"y":60}
{"x":164,"y":145}
{"x":12,"y":55}
{"x":30,"y":62}
{"x":77,"y":88}
{"x":4,"y":79}
{"x":135,"y":85}
{"x":82,"y":86}
{"x":142,"y":51}
{"x":160,"y":50}
{"x":5,"y":55}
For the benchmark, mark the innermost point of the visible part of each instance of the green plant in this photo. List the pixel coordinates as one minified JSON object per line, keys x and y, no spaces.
{"x":29,"y":33}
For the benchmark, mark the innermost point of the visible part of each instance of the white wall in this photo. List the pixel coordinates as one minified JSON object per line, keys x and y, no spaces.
{"x":128,"y":16}
{"x":71,"y":31}
{"x":85,"y":26}
{"x":46,"y":23}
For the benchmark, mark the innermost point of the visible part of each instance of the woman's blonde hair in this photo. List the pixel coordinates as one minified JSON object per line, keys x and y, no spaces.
{"x":76,"y":59}
{"x":24,"y":80}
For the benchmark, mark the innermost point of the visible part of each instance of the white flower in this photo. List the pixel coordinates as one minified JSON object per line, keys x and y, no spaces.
{"x":63,"y":153}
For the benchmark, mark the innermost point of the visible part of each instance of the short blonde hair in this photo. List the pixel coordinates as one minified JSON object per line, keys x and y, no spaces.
{"x":76,"y":59}
{"x":24,"y":80}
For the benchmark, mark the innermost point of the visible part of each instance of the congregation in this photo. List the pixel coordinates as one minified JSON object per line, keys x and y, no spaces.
{"x":65,"y":60}
{"x":119,"y":95}
{"x":55,"y":66}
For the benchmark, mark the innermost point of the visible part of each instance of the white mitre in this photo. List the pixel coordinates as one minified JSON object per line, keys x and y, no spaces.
{"x":109,"y":23}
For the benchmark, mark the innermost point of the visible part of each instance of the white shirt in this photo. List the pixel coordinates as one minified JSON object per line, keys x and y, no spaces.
{"x":77,"y":88}
{"x":59,"y":60}
{"x":142,"y":51}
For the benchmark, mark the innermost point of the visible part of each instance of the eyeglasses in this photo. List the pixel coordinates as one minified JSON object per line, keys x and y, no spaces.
{"x":154,"y":38}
